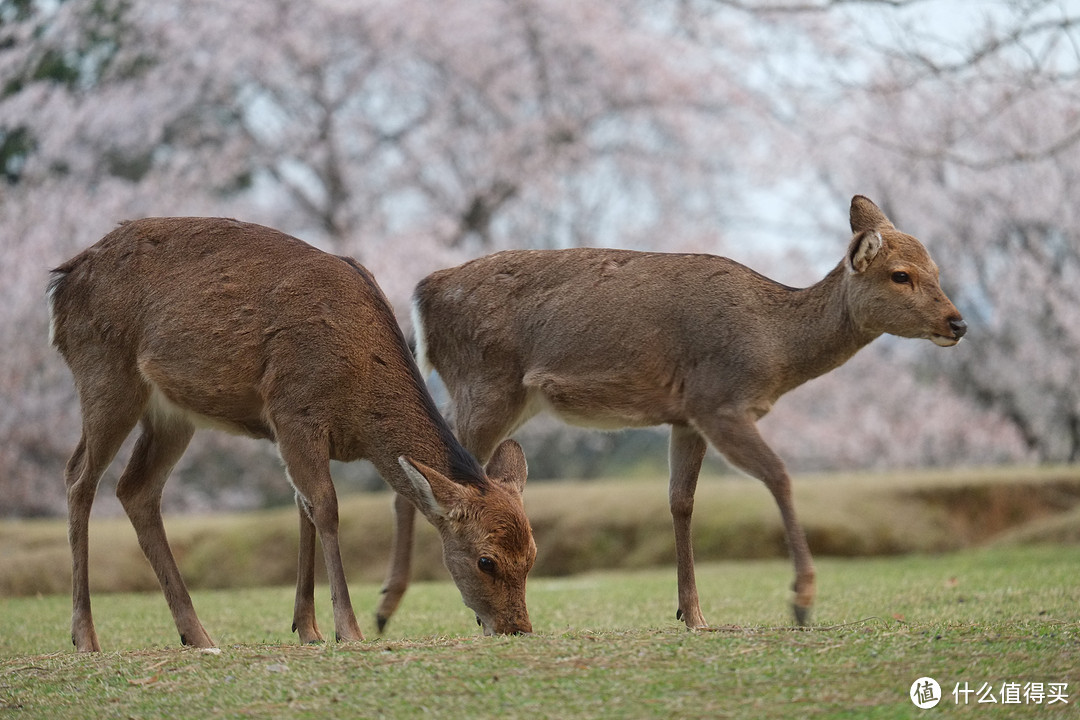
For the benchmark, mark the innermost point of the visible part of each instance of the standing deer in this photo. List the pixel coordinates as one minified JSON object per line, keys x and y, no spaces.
{"x":614,"y":338}
{"x":176,"y":323}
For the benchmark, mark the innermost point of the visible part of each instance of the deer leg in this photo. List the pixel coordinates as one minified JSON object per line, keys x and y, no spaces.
{"x":103,"y":432}
{"x":308,"y":465}
{"x":139,"y":489}
{"x":488,"y":411}
{"x":686,"y":451}
{"x":82,"y":481}
{"x":741,"y":443}
{"x":84,"y":471}
{"x":397,"y":578}
{"x":304,"y":608}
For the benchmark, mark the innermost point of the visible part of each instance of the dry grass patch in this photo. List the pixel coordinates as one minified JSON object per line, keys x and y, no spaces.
{"x":586,"y":526}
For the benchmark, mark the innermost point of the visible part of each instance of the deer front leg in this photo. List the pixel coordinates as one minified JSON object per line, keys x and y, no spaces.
{"x":397,"y":577}
{"x":685,"y":453}
{"x":737,"y":437}
{"x":308,"y":465}
{"x":304,"y":608}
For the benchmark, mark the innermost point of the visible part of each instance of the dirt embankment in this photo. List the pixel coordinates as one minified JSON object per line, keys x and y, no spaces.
{"x":586,"y":526}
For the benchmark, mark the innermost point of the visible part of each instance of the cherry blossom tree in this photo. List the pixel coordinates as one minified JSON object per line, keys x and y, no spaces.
{"x":415,"y":135}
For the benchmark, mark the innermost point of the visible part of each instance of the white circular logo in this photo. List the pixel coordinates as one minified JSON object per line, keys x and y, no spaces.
{"x":925,"y":693}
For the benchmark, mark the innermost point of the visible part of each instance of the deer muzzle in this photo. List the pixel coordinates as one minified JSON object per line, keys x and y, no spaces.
{"x":519,"y":625}
{"x":957,"y":330}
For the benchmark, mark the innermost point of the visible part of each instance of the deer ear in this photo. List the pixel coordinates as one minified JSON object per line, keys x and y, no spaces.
{"x":865,"y":215}
{"x":436,"y":493}
{"x":864,"y":247}
{"x":508,"y":465}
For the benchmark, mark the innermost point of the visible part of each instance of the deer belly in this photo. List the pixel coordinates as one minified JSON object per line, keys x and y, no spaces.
{"x":163,"y":410}
{"x":603,"y":403}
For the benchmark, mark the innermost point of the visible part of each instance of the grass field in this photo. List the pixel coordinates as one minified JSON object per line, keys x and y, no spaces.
{"x":607,"y":646}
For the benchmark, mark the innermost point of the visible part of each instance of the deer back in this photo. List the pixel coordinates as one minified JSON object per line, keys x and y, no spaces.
{"x":621,"y":330}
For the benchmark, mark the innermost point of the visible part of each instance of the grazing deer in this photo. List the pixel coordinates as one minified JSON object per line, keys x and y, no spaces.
{"x":614,"y":338}
{"x":176,"y":323}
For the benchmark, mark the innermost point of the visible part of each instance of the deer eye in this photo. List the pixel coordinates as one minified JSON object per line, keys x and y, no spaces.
{"x":901,"y":278}
{"x":486,"y":565}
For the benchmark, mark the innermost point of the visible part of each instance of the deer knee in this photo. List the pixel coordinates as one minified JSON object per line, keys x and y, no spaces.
{"x":76,"y":463}
{"x":682,"y":505}
{"x":323,"y":513}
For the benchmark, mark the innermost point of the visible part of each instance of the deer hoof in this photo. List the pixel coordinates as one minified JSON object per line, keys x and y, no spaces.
{"x":380,"y":622}
{"x":802,"y":615}
{"x":678,"y":614}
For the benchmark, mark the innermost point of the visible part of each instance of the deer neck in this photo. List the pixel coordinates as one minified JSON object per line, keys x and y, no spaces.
{"x":821,"y":334}
{"x":418,"y":432}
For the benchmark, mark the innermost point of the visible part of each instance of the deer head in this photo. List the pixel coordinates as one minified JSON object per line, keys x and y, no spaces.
{"x":893,"y":284}
{"x":487,"y":547}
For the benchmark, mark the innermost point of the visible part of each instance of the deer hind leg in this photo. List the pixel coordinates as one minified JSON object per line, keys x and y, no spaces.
{"x":686,"y":451}
{"x":84,"y":471}
{"x":308,"y":465}
{"x":304,"y":608}
{"x":480,"y":426}
{"x":741,"y":443}
{"x":107,"y":420}
{"x":397,"y":577}
{"x":159,"y":447}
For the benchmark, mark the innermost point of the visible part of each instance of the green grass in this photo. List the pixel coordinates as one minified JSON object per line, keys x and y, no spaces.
{"x":607,"y":645}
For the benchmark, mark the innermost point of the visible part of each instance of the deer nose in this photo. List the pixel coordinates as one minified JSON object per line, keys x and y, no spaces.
{"x":959,"y":328}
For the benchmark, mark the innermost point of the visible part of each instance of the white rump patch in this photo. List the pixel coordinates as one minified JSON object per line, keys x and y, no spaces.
{"x":49,"y":295}
{"x":421,"y":339}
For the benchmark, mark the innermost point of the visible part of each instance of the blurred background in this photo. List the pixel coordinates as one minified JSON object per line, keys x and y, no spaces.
{"x":414,"y":135}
